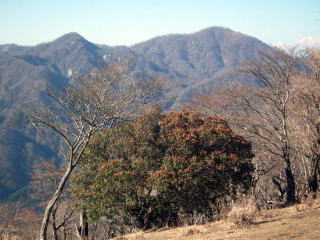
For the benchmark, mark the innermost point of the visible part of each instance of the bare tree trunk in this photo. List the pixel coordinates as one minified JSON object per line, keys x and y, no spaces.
{"x":291,"y":186}
{"x":52,"y":202}
{"x":277,"y":182}
{"x":55,"y":233}
{"x":306,"y":169}
{"x":83,"y":229}
{"x":53,"y":223}
{"x":313,"y":179}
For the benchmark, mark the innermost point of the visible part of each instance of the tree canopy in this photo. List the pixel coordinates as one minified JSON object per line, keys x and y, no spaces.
{"x":161,"y":165}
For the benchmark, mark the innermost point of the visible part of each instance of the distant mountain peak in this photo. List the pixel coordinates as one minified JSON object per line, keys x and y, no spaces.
{"x":210,"y":31}
{"x":216,"y":28}
{"x":72,"y":36}
{"x":219,"y":30}
{"x":71,"y":39}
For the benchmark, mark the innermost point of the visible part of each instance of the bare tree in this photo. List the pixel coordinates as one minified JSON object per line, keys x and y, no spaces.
{"x":96,"y":101}
{"x":306,"y":124}
{"x":268,"y":109}
{"x":9,"y":213}
{"x":83,"y":229}
{"x":262,"y":113}
{"x":45,"y":179}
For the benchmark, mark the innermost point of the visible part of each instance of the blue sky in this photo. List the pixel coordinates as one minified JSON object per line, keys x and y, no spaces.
{"x":125,"y":22}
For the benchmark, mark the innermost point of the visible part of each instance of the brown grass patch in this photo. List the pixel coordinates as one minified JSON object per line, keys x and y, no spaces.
{"x":294,"y":222}
{"x":191,"y":230}
{"x":7,"y":236}
{"x":243,"y":212}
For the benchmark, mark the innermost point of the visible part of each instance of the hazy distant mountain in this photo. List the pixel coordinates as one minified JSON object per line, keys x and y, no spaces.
{"x":194,"y":62}
{"x":21,"y":78}
{"x":202,"y":59}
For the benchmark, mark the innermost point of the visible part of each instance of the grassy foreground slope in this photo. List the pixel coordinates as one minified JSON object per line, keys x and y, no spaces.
{"x":296,"y":222}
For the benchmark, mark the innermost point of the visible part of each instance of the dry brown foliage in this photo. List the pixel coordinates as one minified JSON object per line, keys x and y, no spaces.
{"x":243,"y":212}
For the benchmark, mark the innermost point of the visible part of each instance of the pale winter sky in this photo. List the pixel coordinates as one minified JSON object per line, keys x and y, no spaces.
{"x":125,"y":22}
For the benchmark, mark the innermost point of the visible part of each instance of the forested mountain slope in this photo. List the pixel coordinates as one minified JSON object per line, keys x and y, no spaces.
{"x":194,"y":63}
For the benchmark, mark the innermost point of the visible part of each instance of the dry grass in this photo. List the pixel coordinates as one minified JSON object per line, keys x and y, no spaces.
{"x":243,"y":212}
{"x":296,"y":222}
{"x":191,"y":230}
{"x":9,"y":237}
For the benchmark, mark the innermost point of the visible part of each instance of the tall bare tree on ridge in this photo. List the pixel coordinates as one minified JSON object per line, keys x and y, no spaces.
{"x":97,"y":100}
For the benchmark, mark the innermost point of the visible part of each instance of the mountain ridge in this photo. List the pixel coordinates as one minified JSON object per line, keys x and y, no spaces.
{"x":194,"y":63}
